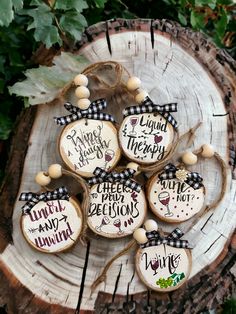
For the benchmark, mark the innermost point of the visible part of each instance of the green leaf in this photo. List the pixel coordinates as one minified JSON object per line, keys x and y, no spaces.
{"x":44,"y":84}
{"x":48,"y":35}
{"x":6,"y":12}
{"x":177,"y":278}
{"x":73,"y":23}
{"x":100,"y":3}
{"x":197,"y":20}
{"x":5,"y":127}
{"x":79,"y":6}
{"x":221,"y":24}
{"x":226,"y":2}
{"x":42,"y":16}
{"x":17,"y":4}
{"x":182,"y":19}
{"x":209,"y":3}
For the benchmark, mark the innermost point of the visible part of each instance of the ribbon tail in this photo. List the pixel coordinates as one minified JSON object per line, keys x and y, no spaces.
{"x":98,"y":105}
{"x":72,"y":109}
{"x":67,"y":119}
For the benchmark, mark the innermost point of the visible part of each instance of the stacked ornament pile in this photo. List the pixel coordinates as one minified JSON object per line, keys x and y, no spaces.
{"x":115,"y":204}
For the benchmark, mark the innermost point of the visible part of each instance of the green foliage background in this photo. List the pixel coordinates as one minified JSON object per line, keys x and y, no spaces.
{"x":25,"y":25}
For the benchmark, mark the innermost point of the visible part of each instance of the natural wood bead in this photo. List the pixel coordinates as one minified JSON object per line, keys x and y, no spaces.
{"x":42,"y":178}
{"x":83,"y":103}
{"x":189,"y":158}
{"x":133,"y":83}
{"x":207,"y":151}
{"x":82,"y":92}
{"x":140,"y":235}
{"x":150,"y":225}
{"x":134,"y":166}
{"x":55,"y":171}
{"x":81,"y":80}
{"x":141,"y":96}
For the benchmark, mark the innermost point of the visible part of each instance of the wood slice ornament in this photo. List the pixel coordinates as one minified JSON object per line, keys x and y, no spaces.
{"x":89,"y":139}
{"x":148,"y":130}
{"x":51,"y":221}
{"x":177,"y":194}
{"x":117,"y":203}
{"x":163,"y":263}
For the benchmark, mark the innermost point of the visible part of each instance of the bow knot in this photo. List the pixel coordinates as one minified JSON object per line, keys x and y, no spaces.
{"x":93,"y":112}
{"x":34,"y":198}
{"x":122,"y":177}
{"x":147,"y":106}
{"x":173,"y":239}
{"x":193,"y":179}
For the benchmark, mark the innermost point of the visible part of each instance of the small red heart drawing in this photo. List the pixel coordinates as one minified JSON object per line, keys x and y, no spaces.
{"x":158,"y":139}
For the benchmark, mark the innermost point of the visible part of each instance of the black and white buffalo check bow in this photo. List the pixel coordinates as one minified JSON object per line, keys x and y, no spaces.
{"x":193,"y":179}
{"x":147,"y":106}
{"x":122,"y":177}
{"x":93,"y":112}
{"x":173,"y":239}
{"x":33,"y":198}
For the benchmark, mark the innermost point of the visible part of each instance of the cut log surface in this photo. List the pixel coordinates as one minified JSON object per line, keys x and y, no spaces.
{"x":175,"y":65}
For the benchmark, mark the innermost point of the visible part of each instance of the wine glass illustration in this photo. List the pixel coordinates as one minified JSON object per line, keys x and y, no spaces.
{"x":133,"y":122}
{"x":105,"y":221}
{"x":154,"y":265}
{"x":164,"y":198}
{"x":109,"y":155}
{"x":117,"y":223}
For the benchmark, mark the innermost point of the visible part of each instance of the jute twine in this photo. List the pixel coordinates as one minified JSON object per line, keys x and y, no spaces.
{"x":85,"y":202}
{"x":106,"y":87}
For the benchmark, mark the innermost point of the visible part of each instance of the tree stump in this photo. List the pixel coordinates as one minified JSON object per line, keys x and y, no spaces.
{"x":174,"y":64}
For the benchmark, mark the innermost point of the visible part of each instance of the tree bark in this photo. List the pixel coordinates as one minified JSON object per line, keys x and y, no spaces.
{"x":174,"y":64}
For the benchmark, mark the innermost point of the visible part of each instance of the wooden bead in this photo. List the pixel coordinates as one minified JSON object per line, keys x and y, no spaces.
{"x":207,"y":151}
{"x":133,"y":83}
{"x":141,"y":96}
{"x":42,"y":178}
{"x":83,"y":103}
{"x":189,"y":158}
{"x":140,"y":235}
{"x":82,"y":92}
{"x":55,"y":171}
{"x":150,"y":225}
{"x":134,"y":166}
{"x":81,"y":80}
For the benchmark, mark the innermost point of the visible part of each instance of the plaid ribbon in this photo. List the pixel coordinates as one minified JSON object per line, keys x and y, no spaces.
{"x":193,"y":178}
{"x":147,"y":106}
{"x":173,"y":239}
{"x":91,"y":113}
{"x":122,"y":177}
{"x":33,"y":198}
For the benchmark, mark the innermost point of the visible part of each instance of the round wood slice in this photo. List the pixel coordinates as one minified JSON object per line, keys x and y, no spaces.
{"x":85,"y":145}
{"x":53,"y":226}
{"x":175,"y":65}
{"x":160,"y":263}
{"x":148,"y":140}
{"x":115,"y":210}
{"x":172,"y":200}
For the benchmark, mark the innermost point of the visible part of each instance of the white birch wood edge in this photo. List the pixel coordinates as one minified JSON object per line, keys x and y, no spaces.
{"x":169,"y":73}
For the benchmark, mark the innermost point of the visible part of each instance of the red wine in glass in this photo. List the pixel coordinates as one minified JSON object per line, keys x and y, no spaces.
{"x":109,"y":155}
{"x":117,"y":224}
{"x":105,"y":221}
{"x":154,"y":266}
{"x":133,"y":122}
{"x":164,"y":198}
